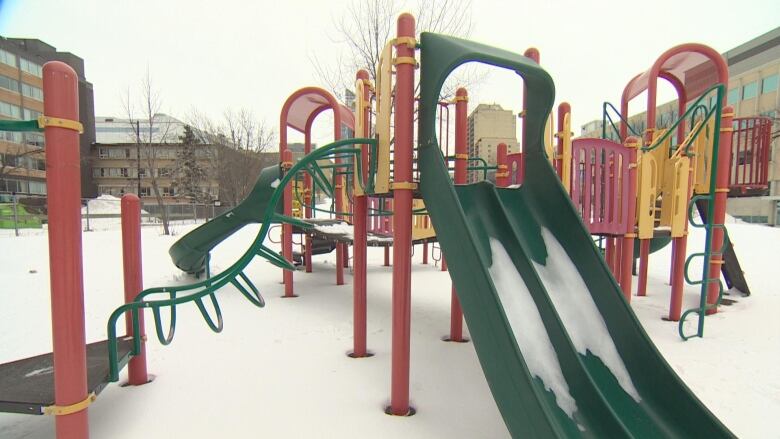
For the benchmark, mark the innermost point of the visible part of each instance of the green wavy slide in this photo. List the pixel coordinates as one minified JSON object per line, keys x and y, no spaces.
{"x":562,"y":352}
{"x":190,"y":252}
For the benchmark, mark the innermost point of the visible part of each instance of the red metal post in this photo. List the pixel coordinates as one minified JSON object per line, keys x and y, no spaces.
{"x":627,"y":253}
{"x":307,"y":198}
{"x":719,"y":209}
{"x":644,"y":258}
{"x":502,"y":171}
{"x":402,"y":220}
{"x":134,"y":281}
{"x":461,"y":164}
{"x":360,"y":223}
{"x":63,"y":177}
{"x":287,"y":228}
{"x":532,"y":53}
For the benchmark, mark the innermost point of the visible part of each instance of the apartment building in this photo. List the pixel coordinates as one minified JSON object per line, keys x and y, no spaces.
{"x":489,"y":125}
{"x":22,"y":155}
{"x":129,"y":154}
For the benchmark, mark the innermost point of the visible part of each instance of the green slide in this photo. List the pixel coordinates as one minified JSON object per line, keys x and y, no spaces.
{"x":562,"y":352}
{"x":189,"y":253}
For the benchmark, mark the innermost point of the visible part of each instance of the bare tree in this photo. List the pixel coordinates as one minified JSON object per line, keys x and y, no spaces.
{"x":152,"y":133}
{"x":239,"y":138}
{"x":13,"y":158}
{"x":366,"y":26}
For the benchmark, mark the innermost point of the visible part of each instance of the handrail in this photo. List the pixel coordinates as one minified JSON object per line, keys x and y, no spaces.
{"x":209,"y":286}
{"x":691,"y":108}
{"x":605,"y":115}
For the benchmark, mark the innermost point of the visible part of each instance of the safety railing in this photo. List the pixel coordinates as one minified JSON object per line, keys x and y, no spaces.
{"x":750,"y":153}
{"x":601,"y":172}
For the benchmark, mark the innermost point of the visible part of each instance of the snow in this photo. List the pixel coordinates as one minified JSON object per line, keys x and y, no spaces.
{"x":110,"y":207}
{"x":578,"y":312}
{"x":282,"y":371}
{"x":346,"y":230}
{"x":528,"y":327}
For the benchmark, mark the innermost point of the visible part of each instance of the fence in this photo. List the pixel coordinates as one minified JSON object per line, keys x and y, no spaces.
{"x":25,"y":212}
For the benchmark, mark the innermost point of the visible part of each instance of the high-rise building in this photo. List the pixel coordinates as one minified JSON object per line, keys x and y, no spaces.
{"x":753,"y":90}
{"x":489,"y":125}
{"x":22,"y":155}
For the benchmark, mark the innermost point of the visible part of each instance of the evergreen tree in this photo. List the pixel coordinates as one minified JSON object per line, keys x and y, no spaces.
{"x":191,"y":173}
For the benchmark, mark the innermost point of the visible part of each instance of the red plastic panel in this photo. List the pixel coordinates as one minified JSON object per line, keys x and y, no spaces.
{"x":599,"y":173}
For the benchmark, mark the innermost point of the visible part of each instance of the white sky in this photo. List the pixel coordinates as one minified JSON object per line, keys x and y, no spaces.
{"x":220,"y":54}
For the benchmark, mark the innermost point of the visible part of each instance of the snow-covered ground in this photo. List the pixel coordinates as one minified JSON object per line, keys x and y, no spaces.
{"x":282,"y":371}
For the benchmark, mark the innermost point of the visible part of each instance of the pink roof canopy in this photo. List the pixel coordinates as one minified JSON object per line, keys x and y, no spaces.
{"x":696,"y":66}
{"x":690,"y":68}
{"x":310,"y":101}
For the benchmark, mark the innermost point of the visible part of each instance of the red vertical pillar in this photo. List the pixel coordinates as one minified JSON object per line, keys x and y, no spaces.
{"x":627,"y":253}
{"x":63,"y":178}
{"x":287,"y":228}
{"x":385,"y":221}
{"x":133,"y":281}
{"x":719,"y":209}
{"x":644,"y":259}
{"x":307,"y":197}
{"x":502,"y":171}
{"x":532,"y":53}
{"x":338,"y":187}
{"x":359,"y":251}
{"x":402,"y":219}
{"x":461,"y":164}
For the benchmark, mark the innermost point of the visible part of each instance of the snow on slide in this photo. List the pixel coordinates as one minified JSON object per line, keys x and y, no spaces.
{"x":528,"y":327}
{"x":578,"y":312}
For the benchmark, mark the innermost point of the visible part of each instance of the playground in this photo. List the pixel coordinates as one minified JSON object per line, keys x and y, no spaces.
{"x":580,"y":288}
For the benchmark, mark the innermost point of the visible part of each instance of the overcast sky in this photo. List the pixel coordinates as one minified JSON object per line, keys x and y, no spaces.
{"x":222,"y":54}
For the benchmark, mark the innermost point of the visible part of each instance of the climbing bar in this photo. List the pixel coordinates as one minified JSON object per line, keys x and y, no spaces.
{"x":20,"y":125}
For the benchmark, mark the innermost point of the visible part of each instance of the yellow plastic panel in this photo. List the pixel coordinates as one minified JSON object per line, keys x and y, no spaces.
{"x":384,"y":87}
{"x":360,"y":104}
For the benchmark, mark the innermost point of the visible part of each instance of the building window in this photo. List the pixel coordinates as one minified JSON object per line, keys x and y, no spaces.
{"x":750,"y":91}
{"x":13,"y":185}
{"x":7,"y":58}
{"x":34,"y":139}
{"x":146,"y":192}
{"x":31,"y":114}
{"x":123,"y":172}
{"x":32,"y":91}
{"x":769,"y":84}
{"x":164,"y":172}
{"x":733,"y":96}
{"x":11,"y":136}
{"x":38,"y":187}
{"x":9,"y":83}
{"x":142,"y":173}
{"x":103,"y":153}
{"x":11,"y":110}
{"x":31,"y":67}
{"x":168,"y":191}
